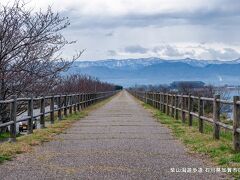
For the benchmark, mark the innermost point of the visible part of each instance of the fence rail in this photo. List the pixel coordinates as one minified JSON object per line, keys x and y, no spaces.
{"x":179,"y":104}
{"x":62,"y":104}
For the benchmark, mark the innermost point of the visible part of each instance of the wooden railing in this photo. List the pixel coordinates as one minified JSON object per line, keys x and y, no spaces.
{"x":62,"y":104}
{"x":175,"y":105}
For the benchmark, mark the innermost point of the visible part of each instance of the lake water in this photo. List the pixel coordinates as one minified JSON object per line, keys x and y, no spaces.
{"x":229,"y":96}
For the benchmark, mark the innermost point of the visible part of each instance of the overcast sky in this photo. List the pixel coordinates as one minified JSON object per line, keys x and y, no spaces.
{"x":170,"y":29}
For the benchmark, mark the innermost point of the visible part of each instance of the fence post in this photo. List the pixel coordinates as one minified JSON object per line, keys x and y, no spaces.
{"x":216,"y":117}
{"x":158,"y":103}
{"x":155,"y":99}
{"x":176,"y":107}
{"x":148,"y":96}
{"x":97,"y":96}
{"x":42,"y":111}
{"x":190,"y":107}
{"x":84,"y":100}
{"x":75,"y":103}
{"x":200,"y":113}
{"x":182,"y":109}
{"x":93,"y":98}
{"x":167,"y":104}
{"x":78,"y":102}
{"x":145,"y":97}
{"x":30,"y":114}
{"x":88,"y":97}
{"x":59,"y":108}
{"x":236,"y":123}
{"x":81,"y":101}
{"x":70,"y":104}
{"x":65,"y":105}
{"x":13,"y":117}
{"x":52,"y":109}
{"x":164,"y":103}
{"x":172,"y":104}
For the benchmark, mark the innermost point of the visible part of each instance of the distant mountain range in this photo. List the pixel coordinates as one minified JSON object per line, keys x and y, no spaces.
{"x":129,"y":72}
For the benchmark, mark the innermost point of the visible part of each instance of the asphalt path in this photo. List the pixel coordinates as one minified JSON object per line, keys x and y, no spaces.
{"x":120,"y":140}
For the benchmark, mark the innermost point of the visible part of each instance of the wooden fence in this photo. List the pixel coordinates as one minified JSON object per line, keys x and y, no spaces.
{"x":62,"y":104}
{"x":182,"y":106}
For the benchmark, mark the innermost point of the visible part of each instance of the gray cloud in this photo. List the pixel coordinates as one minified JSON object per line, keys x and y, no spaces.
{"x":109,"y":34}
{"x":221,"y":13}
{"x":171,"y":51}
{"x":226,"y":54}
{"x":216,"y":24}
{"x":136,"y":49}
{"x":112,"y":53}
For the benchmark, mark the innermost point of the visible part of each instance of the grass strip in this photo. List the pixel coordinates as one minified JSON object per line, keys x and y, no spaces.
{"x":219,"y":151}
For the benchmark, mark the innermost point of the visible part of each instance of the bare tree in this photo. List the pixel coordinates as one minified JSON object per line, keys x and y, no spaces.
{"x":30,"y":51}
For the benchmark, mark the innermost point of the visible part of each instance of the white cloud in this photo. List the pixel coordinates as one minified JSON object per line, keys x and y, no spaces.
{"x":107,"y":27}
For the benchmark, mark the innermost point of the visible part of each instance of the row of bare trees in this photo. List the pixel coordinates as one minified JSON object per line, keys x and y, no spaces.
{"x":31,"y":45}
{"x":81,"y":83}
{"x":205,"y":91}
{"x":188,"y":88}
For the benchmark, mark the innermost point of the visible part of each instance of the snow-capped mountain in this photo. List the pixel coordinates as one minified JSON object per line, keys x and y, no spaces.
{"x":128,"y":72}
{"x":136,"y":63}
{"x":114,"y":63}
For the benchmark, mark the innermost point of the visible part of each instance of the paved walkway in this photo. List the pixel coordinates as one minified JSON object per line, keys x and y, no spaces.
{"x":120,"y":140}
